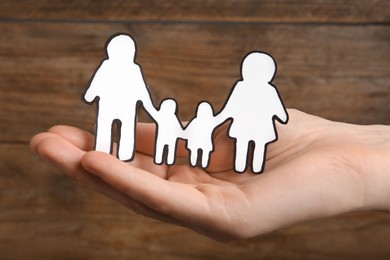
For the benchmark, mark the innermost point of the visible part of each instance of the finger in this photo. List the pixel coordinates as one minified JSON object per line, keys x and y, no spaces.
{"x":80,"y":138}
{"x":180,"y":201}
{"x":36,"y":140}
{"x":66,"y":157}
{"x":145,"y":138}
{"x":146,"y":163}
{"x":84,"y":141}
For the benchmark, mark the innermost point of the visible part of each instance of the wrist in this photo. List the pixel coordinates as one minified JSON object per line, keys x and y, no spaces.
{"x":373,"y":165}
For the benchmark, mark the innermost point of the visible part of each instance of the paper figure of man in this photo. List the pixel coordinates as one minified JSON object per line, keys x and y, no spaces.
{"x":199,"y":134}
{"x":118,"y":86}
{"x":169,"y":129}
{"x":253,"y":105}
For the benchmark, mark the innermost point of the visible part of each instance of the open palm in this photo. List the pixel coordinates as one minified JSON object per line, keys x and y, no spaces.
{"x":314,"y":170}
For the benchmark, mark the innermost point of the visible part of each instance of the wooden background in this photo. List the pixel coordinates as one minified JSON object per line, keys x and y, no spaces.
{"x":333,"y":61}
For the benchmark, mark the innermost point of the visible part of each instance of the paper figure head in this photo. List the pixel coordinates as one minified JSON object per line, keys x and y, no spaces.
{"x":204,"y":109}
{"x":168,"y":106}
{"x":121,"y":47}
{"x":258,"y":66}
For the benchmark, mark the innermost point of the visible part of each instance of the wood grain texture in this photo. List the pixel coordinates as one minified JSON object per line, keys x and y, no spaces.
{"x":333,"y":61}
{"x":335,"y":11}
{"x":321,"y":69}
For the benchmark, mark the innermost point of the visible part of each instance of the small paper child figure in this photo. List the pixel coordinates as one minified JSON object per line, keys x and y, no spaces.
{"x":118,"y":86}
{"x":199,"y":134}
{"x":169,"y":129}
{"x":253,"y":105}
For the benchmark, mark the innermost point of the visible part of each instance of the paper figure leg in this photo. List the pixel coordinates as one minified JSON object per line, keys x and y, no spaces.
{"x":126,"y":142}
{"x":193,"y":157}
{"x":241,"y":155}
{"x":103,"y":134}
{"x":171,"y":154}
{"x":158,"y":155}
{"x":258,"y":158}
{"x":205,"y":158}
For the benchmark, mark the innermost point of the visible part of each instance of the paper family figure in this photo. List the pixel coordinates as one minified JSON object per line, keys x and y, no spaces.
{"x":118,"y":87}
{"x":169,"y":129}
{"x":253,"y":104}
{"x":199,"y":134}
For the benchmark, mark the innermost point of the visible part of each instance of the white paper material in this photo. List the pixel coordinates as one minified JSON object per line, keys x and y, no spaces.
{"x":253,"y":105}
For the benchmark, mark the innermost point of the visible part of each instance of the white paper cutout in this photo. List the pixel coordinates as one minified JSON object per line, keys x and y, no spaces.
{"x":253,"y":104}
{"x":118,"y":86}
{"x":199,"y":134}
{"x":169,"y":129}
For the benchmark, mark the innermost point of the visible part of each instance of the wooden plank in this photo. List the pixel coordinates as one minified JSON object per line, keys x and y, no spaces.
{"x":333,"y":60}
{"x":323,"y":70}
{"x":316,"y":11}
{"x":45,"y":215}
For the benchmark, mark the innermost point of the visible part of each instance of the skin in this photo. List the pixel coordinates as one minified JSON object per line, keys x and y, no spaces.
{"x":317,"y":168}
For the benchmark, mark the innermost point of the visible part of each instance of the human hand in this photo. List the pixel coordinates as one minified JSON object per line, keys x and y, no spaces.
{"x":317,"y":168}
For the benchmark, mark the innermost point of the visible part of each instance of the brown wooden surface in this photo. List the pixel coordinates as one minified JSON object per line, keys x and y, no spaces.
{"x":333,"y":61}
{"x":334,"y":11}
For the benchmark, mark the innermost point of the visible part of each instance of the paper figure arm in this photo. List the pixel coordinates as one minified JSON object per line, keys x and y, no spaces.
{"x":144,"y":93}
{"x":280,"y":112}
{"x":227,"y":111}
{"x":180,"y":131}
{"x":282,"y":115}
{"x":94,"y":87}
{"x":90,"y":95}
{"x":148,"y":106}
{"x":221,"y":117}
